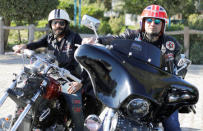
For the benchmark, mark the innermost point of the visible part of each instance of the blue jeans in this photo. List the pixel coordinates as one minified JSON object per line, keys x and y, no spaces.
{"x":74,"y":106}
{"x":172,"y":123}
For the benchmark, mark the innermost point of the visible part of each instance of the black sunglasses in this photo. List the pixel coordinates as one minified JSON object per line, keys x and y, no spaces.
{"x":156,"y":21}
{"x":61,"y":22}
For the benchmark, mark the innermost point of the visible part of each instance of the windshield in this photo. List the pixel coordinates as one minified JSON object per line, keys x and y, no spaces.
{"x":139,"y":50}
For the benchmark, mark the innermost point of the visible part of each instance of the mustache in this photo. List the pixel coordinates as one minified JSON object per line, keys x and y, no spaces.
{"x":59,"y":28}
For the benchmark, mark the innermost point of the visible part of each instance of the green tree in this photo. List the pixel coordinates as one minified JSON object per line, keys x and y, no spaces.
{"x":25,"y":11}
{"x":92,"y":11}
{"x":185,"y":7}
{"x":68,"y":6}
{"x":104,"y":28}
{"x":89,"y":1}
{"x":116,"y":24}
{"x":107,"y":4}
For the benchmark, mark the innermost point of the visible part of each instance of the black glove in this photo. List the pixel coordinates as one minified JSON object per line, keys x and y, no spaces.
{"x":187,"y":109}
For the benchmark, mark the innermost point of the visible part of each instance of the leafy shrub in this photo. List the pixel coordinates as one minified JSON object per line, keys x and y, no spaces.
{"x":82,"y":29}
{"x":195,"y":21}
{"x":196,"y":47}
{"x":123,"y":29}
{"x":116,"y":24}
{"x":174,"y":27}
{"x":89,"y":9}
{"x":196,"y":54}
{"x":93,"y":11}
{"x":104,"y":28}
{"x":39,"y":35}
{"x":42,"y":23}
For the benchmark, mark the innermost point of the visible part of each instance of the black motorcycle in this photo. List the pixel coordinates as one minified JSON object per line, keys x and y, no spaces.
{"x":37,"y":92}
{"x":135,"y":92}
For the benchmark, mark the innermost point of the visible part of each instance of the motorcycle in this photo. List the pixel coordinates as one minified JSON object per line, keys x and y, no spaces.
{"x":135,"y":92}
{"x":37,"y":92}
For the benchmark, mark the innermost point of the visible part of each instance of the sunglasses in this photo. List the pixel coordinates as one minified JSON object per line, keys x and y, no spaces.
{"x":61,"y":22}
{"x":156,"y":21}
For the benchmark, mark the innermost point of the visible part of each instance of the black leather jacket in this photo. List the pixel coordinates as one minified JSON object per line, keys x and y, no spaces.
{"x":63,"y":50}
{"x":170,"y":48}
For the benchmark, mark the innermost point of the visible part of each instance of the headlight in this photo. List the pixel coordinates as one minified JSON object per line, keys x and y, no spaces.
{"x":178,"y":98}
{"x":93,"y":122}
{"x":179,"y":93}
{"x":138,"y":108}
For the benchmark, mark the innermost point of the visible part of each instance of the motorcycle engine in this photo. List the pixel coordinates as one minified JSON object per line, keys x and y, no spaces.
{"x":47,"y":113}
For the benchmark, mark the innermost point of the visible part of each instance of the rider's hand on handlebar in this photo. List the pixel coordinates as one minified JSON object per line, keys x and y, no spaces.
{"x":74,"y":87}
{"x":18,"y":48}
{"x":90,"y":40}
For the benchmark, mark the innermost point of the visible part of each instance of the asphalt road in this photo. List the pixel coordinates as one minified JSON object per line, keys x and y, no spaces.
{"x":10,"y":64}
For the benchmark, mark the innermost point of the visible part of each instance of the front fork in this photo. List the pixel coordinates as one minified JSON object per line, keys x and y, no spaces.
{"x":106,"y":117}
{"x":109,"y":121}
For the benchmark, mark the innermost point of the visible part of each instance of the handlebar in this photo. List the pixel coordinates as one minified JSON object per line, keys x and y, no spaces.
{"x":64,"y":73}
{"x":184,"y":64}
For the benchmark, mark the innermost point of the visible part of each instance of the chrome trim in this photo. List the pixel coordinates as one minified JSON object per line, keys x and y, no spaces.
{"x":24,"y":113}
{"x":108,"y":120}
{"x":13,"y":85}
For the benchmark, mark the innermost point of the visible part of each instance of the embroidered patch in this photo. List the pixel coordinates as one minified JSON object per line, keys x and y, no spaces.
{"x":169,"y":56}
{"x":170,"y":45}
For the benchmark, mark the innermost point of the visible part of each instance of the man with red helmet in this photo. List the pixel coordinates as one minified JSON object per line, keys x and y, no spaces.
{"x":152,"y":28}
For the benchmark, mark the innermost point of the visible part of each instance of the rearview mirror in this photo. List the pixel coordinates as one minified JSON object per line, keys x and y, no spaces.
{"x":90,"y":22}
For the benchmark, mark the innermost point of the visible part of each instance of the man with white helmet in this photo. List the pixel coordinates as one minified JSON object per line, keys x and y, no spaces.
{"x":62,"y":42}
{"x":152,"y":28}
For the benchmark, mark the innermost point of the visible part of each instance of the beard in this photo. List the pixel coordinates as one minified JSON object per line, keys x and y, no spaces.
{"x":58,"y":32}
{"x":151,"y":37}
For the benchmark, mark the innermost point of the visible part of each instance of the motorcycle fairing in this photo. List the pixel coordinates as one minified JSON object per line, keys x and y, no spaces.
{"x":115,"y":75}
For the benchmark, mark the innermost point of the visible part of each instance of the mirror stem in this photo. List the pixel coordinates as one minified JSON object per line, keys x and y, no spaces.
{"x":94,"y":29}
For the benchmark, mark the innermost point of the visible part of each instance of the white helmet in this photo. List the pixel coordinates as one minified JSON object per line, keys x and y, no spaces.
{"x":58,"y":14}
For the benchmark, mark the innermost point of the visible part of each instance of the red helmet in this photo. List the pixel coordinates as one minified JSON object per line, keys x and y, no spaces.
{"x":154,"y":11}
